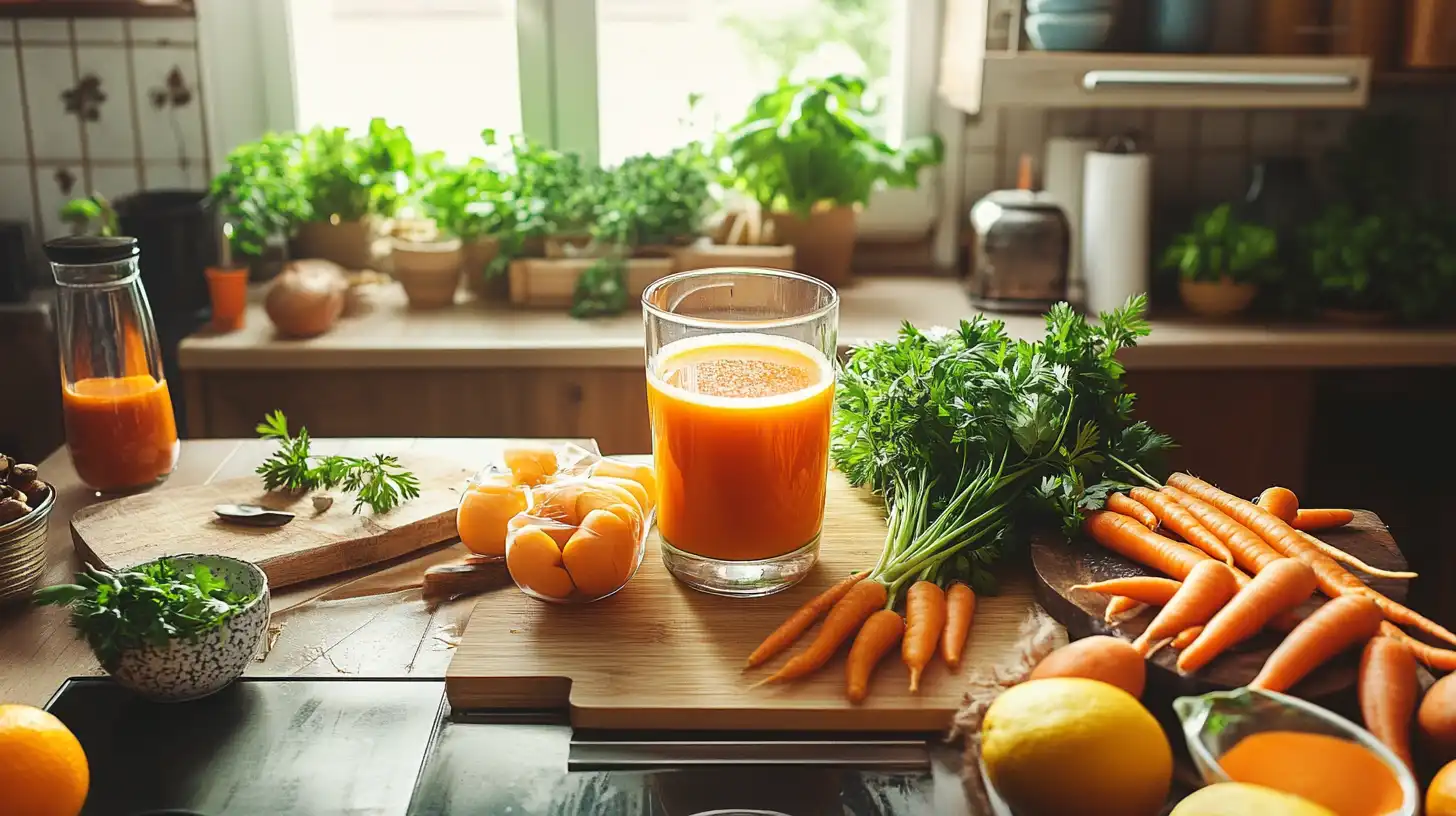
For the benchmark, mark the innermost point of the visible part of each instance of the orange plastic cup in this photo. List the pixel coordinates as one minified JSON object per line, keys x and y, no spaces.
{"x":228,"y":289}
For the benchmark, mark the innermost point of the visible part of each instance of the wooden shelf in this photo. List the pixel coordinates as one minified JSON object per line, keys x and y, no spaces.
{"x":33,"y":9}
{"x":1416,"y":79}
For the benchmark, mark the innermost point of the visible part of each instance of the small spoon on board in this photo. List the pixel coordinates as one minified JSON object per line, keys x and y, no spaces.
{"x":252,"y":515}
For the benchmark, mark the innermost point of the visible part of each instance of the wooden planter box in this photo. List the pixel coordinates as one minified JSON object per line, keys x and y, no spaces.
{"x":549,"y":282}
{"x":706,"y":256}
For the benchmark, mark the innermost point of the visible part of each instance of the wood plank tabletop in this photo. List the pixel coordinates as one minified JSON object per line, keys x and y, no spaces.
{"x":317,"y":630}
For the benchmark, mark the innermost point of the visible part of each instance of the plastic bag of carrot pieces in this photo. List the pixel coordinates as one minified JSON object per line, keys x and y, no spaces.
{"x":571,"y":524}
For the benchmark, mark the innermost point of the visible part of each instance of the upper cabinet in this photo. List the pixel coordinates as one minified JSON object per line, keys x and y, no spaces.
{"x":1165,"y":53}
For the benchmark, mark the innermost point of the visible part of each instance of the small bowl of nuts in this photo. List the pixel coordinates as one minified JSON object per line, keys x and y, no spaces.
{"x":25,"y":510}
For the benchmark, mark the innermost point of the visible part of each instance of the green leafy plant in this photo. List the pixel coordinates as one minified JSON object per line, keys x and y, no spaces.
{"x":352,"y":177}
{"x":260,"y":192}
{"x":81,"y":213}
{"x":471,"y":199}
{"x":554,"y":192}
{"x":149,"y":605}
{"x":1401,"y":260}
{"x":1220,"y":246}
{"x":972,"y":436}
{"x":651,"y":199}
{"x":601,"y":289}
{"x":805,"y":143}
{"x":377,"y":480}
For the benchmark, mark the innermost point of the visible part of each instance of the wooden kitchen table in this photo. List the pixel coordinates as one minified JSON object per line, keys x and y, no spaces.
{"x":382,"y":635}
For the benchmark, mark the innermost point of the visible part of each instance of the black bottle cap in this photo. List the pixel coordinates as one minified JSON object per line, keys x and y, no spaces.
{"x":83,"y":250}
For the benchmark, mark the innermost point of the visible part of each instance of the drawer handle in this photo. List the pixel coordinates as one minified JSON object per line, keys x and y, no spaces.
{"x":1099,"y":80}
{"x":882,"y":755}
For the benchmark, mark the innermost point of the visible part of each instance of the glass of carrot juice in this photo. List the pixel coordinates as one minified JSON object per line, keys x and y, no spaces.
{"x":740,"y":386}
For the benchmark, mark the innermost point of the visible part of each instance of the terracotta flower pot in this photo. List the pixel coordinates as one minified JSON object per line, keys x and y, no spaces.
{"x":429,"y":272}
{"x":1220,"y":298}
{"x":478,"y":254}
{"x":823,"y":243}
{"x":347,"y":243}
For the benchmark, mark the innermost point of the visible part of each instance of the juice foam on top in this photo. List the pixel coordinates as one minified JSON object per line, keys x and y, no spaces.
{"x":742,"y":367}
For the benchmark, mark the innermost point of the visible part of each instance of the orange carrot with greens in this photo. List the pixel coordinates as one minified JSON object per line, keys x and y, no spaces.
{"x":1120,"y":503}
{"x":799,"y":622}
{"x":1137,"y":543}
{"x":1389,"y":690}
{"x":1432,"y":657}
{"x":1282,"y":585}
{"x":1121,"y":607}
{"x":1334,"y":627}
{"x":843,"y":620}
{"x":1322,"y":518}
{"x":1205,"y":591}
{"x":1141,"y":588}
{"x":1280,"y":501}
{"x":1249,"y":551}
{"x":1177,"y":518}
{"x":1333,"y":579}
{"x":1186,"y":637}
{"x":960,"y":606}
{"x":878,"y":636}
{"x":925,"y":616}
{"x":1349,"y":560}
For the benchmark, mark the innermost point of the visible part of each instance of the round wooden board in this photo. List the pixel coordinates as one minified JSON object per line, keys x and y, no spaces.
{"x":1060,"y":565}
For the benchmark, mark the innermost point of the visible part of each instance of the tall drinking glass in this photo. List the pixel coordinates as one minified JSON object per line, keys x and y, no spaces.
{"x":740,"y":387}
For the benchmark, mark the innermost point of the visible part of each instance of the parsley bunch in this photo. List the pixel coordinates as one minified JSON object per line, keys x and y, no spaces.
{"x":970,"y":435}
{"x":130,"y":609}
{"x":377,"y":480}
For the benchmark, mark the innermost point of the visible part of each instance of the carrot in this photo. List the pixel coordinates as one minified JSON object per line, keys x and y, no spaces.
{"x":1333,"y":579}
{"x":844,"y":618}
{"x":1186,"y":637}
{"x":1137,"y":543}
{"x":925,"y":616}
{"x":1280,"y":501}
{"x":1249,"y":551}
{"x":1120,"y":608}
{"x":1141,"y":588}
{"x":1388,"y":693}
{"x":1177,"y":518}
{"x":1432,"y":657}
{"x":1336,"y":626}
{"x":1282,"y":585}
{"x":1340,"y":555}
{"x":799,"y":622}
{"x":960,"y":603}
{"x":1206,"y":589}
{"x":879,"y":635}
{"x":1120,"y":503}
{"x":1321,"y":518}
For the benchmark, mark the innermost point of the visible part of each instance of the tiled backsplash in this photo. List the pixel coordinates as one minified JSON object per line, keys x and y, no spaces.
{"x":105,"y":105}
{"x":1205,"y":156}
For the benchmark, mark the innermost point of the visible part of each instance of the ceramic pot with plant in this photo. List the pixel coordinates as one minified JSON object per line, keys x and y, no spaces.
{"x":1399,"y":262}
{"x":806,"y":148}
{"x":260,"y":194}
{"x":472,"y":201}
{"x":349,"y":183}
{"x":429,"y":271}
{"x":1221,"y":261}
{"x":178,"y":628}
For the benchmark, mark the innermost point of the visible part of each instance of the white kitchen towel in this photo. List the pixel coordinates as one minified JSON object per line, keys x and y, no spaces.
{"x":1116,"y":211}
{"x":1062,"y":182}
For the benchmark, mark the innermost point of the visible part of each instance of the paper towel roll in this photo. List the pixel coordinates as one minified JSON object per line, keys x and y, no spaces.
{"x":1062,"y":183}
{"x":1116,"y":210}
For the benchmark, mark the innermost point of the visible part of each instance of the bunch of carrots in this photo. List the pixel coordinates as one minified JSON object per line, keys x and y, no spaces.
{"x":859,"y":606}
{"x":1235,"y":567}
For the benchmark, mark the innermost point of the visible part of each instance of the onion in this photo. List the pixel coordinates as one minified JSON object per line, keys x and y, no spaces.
{"x":307,"y":298}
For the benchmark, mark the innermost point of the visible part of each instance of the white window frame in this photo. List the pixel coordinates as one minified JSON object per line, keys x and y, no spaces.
{"x":248,"y":69}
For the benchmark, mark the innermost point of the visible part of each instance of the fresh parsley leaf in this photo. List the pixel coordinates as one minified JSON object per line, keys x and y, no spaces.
{"x":377,"y":481}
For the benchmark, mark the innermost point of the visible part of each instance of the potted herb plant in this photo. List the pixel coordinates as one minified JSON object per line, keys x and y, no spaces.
{"x":1370,"y":268}
{"x":472,"y":201}
{"x":260,"y":195}
{"x":1221,"y":261}
{"x":805,"y":152}
{"x":346,"y":182}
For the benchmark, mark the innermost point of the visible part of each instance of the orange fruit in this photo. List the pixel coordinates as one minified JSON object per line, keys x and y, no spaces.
{"x":484,"y":512}
{"x":641,"y":474}
{"x":1441,"y":795}
{"x":534,"y":561}
{"x":531,"y":464}
{"x":601,"y":553}
{"x":43,"y":770}
{"x":1100,"y":657}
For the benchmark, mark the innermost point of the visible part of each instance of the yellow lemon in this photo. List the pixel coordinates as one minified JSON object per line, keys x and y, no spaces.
{"x":1238,"y":799}
{"x":1071,"y":745}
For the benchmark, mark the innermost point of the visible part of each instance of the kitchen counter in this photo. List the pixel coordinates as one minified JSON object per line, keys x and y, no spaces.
{"x":476,"y":336}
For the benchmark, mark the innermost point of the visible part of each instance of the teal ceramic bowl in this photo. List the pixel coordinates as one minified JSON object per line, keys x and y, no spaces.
{"x":1079,"y":31}
{"x":1070,"y":6}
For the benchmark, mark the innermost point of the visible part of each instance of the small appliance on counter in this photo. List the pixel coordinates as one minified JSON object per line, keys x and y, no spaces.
{"x":1022,"y":249}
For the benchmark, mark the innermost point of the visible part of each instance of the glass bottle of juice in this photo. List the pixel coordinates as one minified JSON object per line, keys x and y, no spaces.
{"x":118,"y":413}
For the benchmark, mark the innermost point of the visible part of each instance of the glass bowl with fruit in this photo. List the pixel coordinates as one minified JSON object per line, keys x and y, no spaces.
{"x":25,"y":511}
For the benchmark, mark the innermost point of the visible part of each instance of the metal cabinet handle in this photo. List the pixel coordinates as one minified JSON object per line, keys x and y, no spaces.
{"x":1112,"y":79}
{"x":882,"y":755}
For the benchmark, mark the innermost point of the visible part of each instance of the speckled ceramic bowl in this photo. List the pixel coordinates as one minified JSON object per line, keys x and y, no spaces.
{"x":190,"y":668}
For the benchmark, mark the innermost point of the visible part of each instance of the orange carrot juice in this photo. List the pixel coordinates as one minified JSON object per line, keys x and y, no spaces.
{"x":1343,"y":776}
{"x":120,"y":430}
{"x":740,"y":441}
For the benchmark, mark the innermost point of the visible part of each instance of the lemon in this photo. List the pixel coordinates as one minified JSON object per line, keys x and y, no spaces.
{"x":1238,"y":799}
{"x":1069,"y":745}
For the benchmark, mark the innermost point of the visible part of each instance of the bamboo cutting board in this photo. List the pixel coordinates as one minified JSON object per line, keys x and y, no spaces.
{"x":135,"y":529}
{"x":658,"y":655}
